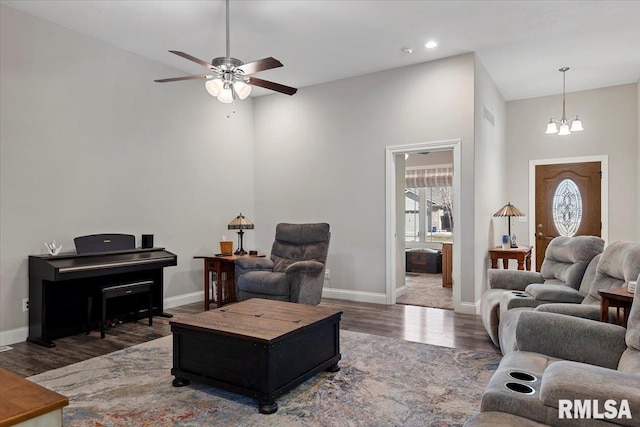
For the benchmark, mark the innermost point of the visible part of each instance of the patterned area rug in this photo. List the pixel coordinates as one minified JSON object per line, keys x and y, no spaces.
{"x":426,"y":290}
{"x":383,"y":382}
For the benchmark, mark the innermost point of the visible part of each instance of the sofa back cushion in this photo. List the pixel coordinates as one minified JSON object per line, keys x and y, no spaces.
{"x":618,"y":265}
{"x":299,"y":242}
{"x":567,"y":258}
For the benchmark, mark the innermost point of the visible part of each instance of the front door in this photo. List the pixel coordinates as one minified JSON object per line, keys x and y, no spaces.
{"x":567,"y":202}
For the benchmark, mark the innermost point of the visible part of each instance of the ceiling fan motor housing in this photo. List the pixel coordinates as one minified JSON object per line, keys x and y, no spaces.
{"x":226,"y":64}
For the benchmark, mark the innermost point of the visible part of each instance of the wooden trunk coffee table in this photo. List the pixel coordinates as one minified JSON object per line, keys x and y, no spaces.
{"x":259,"y":348}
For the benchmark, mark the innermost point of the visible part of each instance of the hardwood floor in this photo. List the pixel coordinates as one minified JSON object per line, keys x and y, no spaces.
{"x":420,"y":324}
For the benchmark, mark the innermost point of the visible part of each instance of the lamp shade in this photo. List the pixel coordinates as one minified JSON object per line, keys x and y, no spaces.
{"x":509,"y":210}
{"x":226,"y":95}
{"x":240,"y":223}
{"x":214,"y":86}
{"x":564,"y":130}
{"x":242,"y":89}
{"x":551,"y":127}
{"x":576,"y":126}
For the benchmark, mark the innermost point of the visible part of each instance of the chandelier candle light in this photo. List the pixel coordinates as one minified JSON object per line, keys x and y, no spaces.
{"x":240,"y":223}
{"x":576,"y":124}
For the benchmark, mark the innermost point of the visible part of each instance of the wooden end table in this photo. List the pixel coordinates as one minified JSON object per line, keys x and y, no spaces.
{"x":521,"y":253}
{"x":619,"y":298}
{"x":219,"y":278}
{"x":259,"y":348}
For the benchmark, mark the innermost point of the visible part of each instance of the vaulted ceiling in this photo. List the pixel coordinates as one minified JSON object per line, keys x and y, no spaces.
{"x":521,"y":43}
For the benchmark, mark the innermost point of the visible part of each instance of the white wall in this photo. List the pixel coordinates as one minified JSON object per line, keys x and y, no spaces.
{"x":89,"y":144}
{"x":490,"y":169}
{"x":638,"y":163}
{"x":320,"y":156}
{"x":610,"y":119}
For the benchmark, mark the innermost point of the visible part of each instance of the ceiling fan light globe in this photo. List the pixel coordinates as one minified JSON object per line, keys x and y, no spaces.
{"x":564,"y":130}
{"x":213,"y":87}
{"x":226,"y":96}
{"x":576,"y":126}
{"x":242,"y":89}
{"x":551,"y":127}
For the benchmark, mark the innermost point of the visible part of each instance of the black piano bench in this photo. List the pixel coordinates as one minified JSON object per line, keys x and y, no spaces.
{"x":113,"y":291}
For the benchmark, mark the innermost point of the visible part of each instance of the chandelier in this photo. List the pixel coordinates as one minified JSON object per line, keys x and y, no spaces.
{"x":576,"y":124}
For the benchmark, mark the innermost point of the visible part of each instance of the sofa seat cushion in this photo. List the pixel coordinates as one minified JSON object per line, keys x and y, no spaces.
{"x":573,"y":380}
{"x":554,"y":293}
{"x":264,"y":282}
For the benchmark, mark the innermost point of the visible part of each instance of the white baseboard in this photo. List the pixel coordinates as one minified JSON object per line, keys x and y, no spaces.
{"x":183,"y":299}
{"x":469,"y":308}
{"x":13,"y":336}
{"x":401,"y":291}
{"x":358,"y":296}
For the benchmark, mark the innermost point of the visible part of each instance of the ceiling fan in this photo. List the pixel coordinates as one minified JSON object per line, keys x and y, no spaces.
{"x":231,"y":77}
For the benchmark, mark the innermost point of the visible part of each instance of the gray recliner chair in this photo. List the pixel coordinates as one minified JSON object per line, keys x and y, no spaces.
{"x":295,"y":270}
{"x":566,"y":260}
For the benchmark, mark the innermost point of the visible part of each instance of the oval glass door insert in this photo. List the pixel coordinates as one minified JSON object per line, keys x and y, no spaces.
{"x":567,"y":208}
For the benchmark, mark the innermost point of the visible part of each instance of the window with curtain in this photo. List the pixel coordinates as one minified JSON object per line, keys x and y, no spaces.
{"x":428,"y":205}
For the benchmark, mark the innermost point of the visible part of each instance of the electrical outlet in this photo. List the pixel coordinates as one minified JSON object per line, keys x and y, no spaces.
{"x":327,"y":274}
{"x":25,"y":304}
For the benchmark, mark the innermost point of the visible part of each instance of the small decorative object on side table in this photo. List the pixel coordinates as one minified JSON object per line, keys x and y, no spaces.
{"x":620,"y":298}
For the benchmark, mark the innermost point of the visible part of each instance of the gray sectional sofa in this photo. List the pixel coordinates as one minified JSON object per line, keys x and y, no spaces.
{"x":566,"y":261}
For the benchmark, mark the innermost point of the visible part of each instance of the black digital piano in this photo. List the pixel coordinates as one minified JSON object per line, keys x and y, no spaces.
{"x":60,"y":285}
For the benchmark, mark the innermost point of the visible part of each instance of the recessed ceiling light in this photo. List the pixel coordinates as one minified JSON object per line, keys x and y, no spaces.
{"x":430,"y":44}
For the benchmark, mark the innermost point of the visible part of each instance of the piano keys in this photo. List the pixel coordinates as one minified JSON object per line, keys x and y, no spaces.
{"x":59,"y":286}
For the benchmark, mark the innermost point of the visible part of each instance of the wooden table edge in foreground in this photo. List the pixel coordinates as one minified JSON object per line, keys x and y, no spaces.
{"x":22,"y":400}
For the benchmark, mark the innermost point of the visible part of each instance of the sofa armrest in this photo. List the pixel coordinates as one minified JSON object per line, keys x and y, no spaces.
{"x":571,"y":338}
{"x":305,"y":267}
{"x":585,"y":311}
{"x":254,"y":263}
{"x":554,"y":293}
{"x":512,"y":279}
{"x":578,"y":381}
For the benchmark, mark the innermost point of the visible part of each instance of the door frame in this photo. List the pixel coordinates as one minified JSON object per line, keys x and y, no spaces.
{"x":390,"y":205}
{"x":604,"y":192}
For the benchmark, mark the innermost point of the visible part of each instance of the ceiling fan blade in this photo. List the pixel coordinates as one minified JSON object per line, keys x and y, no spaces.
{"x":259,"y":65}
{"x":194,"y":59}
{"x":287,"y":90}
{"x":175,"y":79}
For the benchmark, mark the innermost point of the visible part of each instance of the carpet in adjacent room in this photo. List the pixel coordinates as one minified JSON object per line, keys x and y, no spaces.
{"x":425,"y":289}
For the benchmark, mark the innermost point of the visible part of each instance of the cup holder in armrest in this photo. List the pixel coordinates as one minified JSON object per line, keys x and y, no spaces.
{"x":523,"y":376}
{"x":520,"y":388}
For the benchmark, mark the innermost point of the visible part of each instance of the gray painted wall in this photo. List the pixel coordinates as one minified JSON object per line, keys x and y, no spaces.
{"x":89,"y":144}
{"x":610,"y":118}
{"x":321,"y":157}
{"x":490,"y":169}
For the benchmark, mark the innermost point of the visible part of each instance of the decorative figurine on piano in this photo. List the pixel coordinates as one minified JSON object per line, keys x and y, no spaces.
{"x":52,"y":248}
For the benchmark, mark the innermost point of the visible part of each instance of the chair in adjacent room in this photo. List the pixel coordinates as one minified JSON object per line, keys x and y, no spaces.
{"x":295,"y":270}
